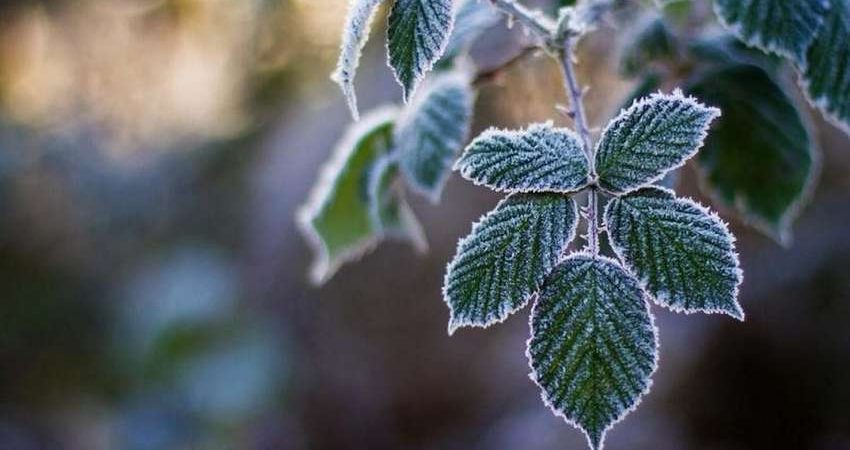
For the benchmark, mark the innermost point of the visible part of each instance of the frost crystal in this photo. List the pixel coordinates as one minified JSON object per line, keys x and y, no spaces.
{"x":650,"y":138}
{"x":357,"y":25}
{"x":593,"y":345}
{"x":418,"y":33}
{"x":784,"y":27}
{"x":539,"y":159}
{"x":826,"y":77}
{"x":432,"y":130}
{"x":684,"y":255}
{"x":506,"y":257}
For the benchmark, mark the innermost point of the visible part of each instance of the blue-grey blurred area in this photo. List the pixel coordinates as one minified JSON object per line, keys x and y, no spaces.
{"x":153,"y":284}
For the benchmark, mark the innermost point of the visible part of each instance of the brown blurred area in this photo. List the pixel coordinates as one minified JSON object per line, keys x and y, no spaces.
{"x":153,"y":284}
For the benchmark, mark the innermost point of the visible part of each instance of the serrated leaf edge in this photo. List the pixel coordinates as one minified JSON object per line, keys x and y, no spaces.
{"x":655,"y":362}
{"x":620,"y":252}
{"x":714,"y":112}
{"x":454,"y":323}
{"x":322,"y":268}
{"x":517,"y":132}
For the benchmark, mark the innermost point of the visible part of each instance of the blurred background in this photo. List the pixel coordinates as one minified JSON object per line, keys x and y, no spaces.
{"x":153,"y":284}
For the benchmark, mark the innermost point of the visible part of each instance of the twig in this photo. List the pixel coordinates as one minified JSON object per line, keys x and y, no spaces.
{"x":534,"y":21}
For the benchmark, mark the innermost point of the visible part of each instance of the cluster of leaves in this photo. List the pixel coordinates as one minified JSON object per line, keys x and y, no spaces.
{"x":764,"y":125}
{"x":593,"y":346}
{"x":359,"y":199}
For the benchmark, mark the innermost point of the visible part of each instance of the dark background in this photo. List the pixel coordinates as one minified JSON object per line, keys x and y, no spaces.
{"x":153,"y":289}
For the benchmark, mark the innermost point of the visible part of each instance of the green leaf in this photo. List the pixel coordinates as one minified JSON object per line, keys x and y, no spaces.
{"x":539,"y":159}
{"x":472,"y":19}
{"x":388,"y":209}
{"x":650,"y":42}
{"x":593,"y":345}
{"x":338,"y":219}
{"x":826,"y":78}
{"x":432,"y":130}
{"x":683,"y":255}
{"x":759,"y":156}
{"x":506,"y":257}
{"x":650,"y":138}
{"x":357,"y":25}
{"x":418,"y":33}
{"x":783,"y":27}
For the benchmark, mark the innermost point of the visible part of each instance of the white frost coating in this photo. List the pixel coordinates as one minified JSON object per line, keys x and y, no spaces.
{"x":826,"y":78}
{"x":783,"y":27}
{"x":683,"y":254}
{"x":500,"y":265}
{"x":539,"y":159}
{"x":417,"y":36}
{"x":323,"y":267}
{"x":644,"y":354}
{"x":655,"y":135}
{"x":431,"y":131}
{"x":358,"y":22}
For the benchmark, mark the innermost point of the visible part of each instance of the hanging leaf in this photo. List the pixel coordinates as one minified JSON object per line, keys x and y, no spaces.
{"x":783,"y":27}
{"x":472,"y":19}
{"x":417,"y":36}
{"x":760,"y":128}
{"x":650,"y":138}
{"x":593,"y":345}
{"x":826,"y":77}
{"x":337,"y":218}
{"x":541,"y":158}
{"x":388,"y":210}
{"x":357,"y":25}
{"x":506,"y":257}
{"x":684,"y":255}
{"x":432,"y":130}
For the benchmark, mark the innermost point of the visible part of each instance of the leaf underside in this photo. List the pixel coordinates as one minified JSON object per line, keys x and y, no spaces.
{"x":783,"y":27}
{"x":593,"y":345}
{"x":357,"y":25}
{"x":650,"y":138}
{"x":760,"y":128}
{"x":418,"y":33}
{"x":684,"y":255}
{"x":541,"y":158}
{"x":432,"y":130}
{"x":826,"y":77}
{"x":507,"y":256}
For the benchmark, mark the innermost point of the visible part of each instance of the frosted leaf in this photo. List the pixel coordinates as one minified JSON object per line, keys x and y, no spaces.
{"x":826,"y":77}
{"x":593,"y":346}
{"x":650,"y":138}
{"x":684,"y":255}
{"x":472,"y":18}
{"x":541,"y":158}
{"x":357,"y":24}
{"x":417,"y":36}
{"x":760,"y":128}
{"x":432,"y":130}
{"x":506,"y":257}
{"x":783,"y":27}
{"x":388,"y":209}
{"x":338,"y":217}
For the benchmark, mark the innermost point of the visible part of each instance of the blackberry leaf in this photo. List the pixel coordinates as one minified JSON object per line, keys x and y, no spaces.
{"x":593,"y":345}
{"x":432,"y":130}
{"x":506,"y":257}
{"x":541,"y":158}
{"x":650,"y":138}
{"x":417,"y":36}
{"x":826,"y":77}
{"x":357,"y":24}
{"x":683,"y":255}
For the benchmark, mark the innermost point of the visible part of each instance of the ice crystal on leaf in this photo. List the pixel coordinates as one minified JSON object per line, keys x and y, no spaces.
{"x":506,"y":257}
{"x":539,"y":159}
{"x":357,"y":25}
{"x":684,"y":255}
{"x":650,"y":138}
{"x":826,"y":75}
{"x":593,"y":345}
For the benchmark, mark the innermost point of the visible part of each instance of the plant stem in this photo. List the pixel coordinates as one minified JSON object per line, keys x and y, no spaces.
{"x":535,"y":21}
{"x":576,"y":94}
